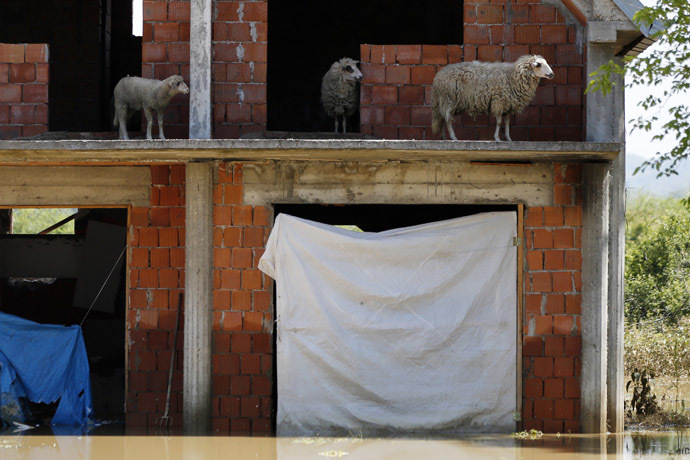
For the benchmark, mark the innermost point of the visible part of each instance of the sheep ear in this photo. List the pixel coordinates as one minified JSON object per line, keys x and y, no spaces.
{"x":171,"y":83}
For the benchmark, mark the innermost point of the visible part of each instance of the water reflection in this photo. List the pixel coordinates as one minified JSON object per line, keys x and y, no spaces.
{"x":628,"y":446}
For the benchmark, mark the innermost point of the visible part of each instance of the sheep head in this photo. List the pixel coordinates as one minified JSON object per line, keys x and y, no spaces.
{"x":540,"y":67}
{"x":349,"y":70}
{"x":177,"y":85}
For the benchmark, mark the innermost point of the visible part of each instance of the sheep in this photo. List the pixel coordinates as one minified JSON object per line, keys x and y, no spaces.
{"x":495,"y":88}
{"x":339,"y":95}
{"x":136,"y":93}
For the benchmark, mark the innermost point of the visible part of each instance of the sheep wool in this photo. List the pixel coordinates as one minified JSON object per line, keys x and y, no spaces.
{"x":339,"y":91}
{"x":136,"y":93}
{"x":495,"y":88}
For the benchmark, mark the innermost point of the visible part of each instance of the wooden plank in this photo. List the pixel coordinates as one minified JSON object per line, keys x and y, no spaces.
{"x":520,"y":303}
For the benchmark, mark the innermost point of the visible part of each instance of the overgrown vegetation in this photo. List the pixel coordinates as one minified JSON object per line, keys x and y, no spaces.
{"x":657,"y":309}
{"x":30,"y":221}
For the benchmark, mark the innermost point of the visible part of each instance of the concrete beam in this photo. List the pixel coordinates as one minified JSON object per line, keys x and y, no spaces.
{"x":595,"y":254}
{"x":200,"y":69}
{"x":198,"y":318}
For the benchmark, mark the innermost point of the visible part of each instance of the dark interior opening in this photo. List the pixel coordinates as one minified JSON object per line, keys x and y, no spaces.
{"x":91,"y":47}
{"x":56,"y":279}
{"x":308,"y":36}
{"x":371,"y":218}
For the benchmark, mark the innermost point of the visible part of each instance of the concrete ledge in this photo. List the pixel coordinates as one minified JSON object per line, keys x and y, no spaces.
{"x":142,"y":151}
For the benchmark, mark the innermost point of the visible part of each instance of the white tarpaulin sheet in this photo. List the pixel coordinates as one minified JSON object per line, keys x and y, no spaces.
{"x":412,"y":329}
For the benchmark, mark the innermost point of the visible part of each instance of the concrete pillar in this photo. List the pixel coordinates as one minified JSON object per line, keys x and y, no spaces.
{"x":200,"y":69}
{"x":595,"y":254}
{"x":198,"y":318}
{"x":606,"y":123}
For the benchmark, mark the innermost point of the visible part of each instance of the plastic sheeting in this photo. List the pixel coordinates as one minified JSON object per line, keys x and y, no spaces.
{"x":408,"y":330}
{"x":43,"y":363}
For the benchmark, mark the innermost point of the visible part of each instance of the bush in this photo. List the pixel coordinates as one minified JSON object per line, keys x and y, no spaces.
{"x":657,"y":275}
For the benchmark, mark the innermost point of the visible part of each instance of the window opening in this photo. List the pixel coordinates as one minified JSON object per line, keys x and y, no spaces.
{"x":294,"y":98}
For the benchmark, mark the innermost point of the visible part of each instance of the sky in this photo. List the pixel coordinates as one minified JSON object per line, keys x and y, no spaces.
{"x":640,"y":146}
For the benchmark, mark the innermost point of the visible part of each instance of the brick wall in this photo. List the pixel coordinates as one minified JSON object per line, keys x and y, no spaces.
{"x":242,"y":311}
{"x":156,"y":278}
{"x":23,"y":89}
{"x":165,"y":52}
{"x":551,"y":319}
{"x":395,"y":97}
{"x":240,"y":46}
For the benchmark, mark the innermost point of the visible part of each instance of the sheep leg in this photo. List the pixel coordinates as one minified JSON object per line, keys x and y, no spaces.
{"x":449,"y":125}
{"x":149,"y":122}
{"x":336,"y":124}
{"x":344,"y":124}
{"x":122,"y":121}
{"x":160,"y":125}
{"x":506,"y":126}
{"x":497,"y":136}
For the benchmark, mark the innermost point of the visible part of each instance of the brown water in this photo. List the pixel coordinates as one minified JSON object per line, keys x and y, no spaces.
{"x":632,"y":446}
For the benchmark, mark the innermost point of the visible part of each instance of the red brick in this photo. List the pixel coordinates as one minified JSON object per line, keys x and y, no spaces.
{"x":553,"y":216}
{"x":529,"y":34}
{"x":563,"y":238}
{"x":554,"y":346}
{"x":397,"y":115}
{"x":255,"y":52}
{"x":232,"y":237}
{"x":262,"y":343}
{"x":543,"y":325}
{"x":572,"y":304}
{"x":252,"y":279}
{"x":154,"y":52}
{"x":148,"y":278}
{"x":253,"y":321}
{"x":35,"y":94}
{"x":533,"y":346}
{"x":477,"y":35}
{"x":564,"y":409}
{"x":572,"y":388}
{"x":541,"y":282}
{"x":177,"y":257}
{"x":554,"y":260}
{"x":533,"y":303}
{"x":542,"y":14}
{"x":160,"y":257}
{"x":533,"y":388}
{"x":139,"y":257}
{"x":383,"y":54}
{"x":170,"y":196}
{"x":543,"y":239}
{"x":573,"y":260}
{"x":22,"y":114}
{"x":562,"y":282}
{"x":242,"y":215}
{"x":535,"y":217}
{"x":543,"y":408}
{"x":250,"y":407}
{"x":168,"y":237}
{"x":222,"y":257}
{"x":262,"y":300}
{"x":573,"y":216}
{"x":222,"y":215}
{"x":573,"y":346}
{"x":166,"y":32}
{"x":535,"y":260}
{"x":554,"y":303}
{"x":411,"y":95}
{"x":384,"y":95}
{"x":230,"y":279}
{"x":552,"y":426}
{"x":241,"y":300}
{"x":409,"y":54}
{"x":562,"y":325}
{"x":564,"y":367}
{"x":489,"y":14}
{"x":241,"y":258}
{"x":435,"y":54}
{"x":11,"y":53}
{"x":553,"y":388}
{"x":490,"y":53}
{"x":261,"y":386}
{"x":422,"y":75}
{"x":250,"y":364}
{"x":241,"y":343}
{"x":232,"y":321}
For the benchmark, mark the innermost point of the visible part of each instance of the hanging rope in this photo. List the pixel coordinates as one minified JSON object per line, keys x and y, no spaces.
{"x":103,"y":286}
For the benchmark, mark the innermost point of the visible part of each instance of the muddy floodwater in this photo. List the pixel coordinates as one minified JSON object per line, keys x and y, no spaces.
{"x":163,"y":447}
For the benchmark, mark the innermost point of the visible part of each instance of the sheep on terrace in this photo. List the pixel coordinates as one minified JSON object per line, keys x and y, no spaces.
{"x":136,"y":93}
{"x":495,"y":88}
{"x":339,"y":94}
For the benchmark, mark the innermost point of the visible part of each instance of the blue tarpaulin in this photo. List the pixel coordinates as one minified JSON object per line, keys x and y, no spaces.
{"x":43,"y":363}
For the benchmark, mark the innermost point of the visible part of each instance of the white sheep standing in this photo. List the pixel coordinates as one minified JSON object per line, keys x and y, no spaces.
{"x":136,"y":93}
{"x":495,"y":88}
{"x":339,"y":94}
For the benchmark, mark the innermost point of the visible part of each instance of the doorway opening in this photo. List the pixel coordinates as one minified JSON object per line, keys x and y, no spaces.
{"x":378,"y":218}
{"x":74,"y":278}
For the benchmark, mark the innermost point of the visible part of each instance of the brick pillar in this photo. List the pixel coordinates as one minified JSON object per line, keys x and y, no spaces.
{"x":23,"y":90}
{"x":552,"y":329}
